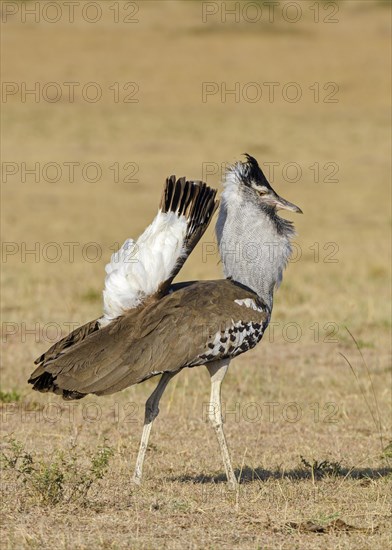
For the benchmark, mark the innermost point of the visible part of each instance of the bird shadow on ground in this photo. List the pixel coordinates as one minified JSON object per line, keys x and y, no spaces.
{"x":249,"y":475}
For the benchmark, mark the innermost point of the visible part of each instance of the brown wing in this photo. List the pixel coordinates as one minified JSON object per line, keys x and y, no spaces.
{"x":197,"y":202}
{"x":199,"y":323}
{"x":71,"y":339}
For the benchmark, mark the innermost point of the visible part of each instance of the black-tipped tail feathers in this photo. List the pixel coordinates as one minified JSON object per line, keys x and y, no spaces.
{"x":192,"y":199}
{"x":197,"y":202}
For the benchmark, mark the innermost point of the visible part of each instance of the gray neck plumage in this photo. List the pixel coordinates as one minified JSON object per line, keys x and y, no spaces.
{"x":254,"y":243}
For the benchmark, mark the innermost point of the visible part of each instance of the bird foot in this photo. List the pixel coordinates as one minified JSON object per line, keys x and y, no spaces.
{"x":136,"y":479}
{"x":233,"y":485}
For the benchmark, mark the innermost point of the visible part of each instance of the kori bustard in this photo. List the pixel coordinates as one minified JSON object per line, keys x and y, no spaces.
{"x":151,"y":326}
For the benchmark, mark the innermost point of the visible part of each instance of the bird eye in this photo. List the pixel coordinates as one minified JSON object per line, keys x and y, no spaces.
{"x":262,"y":191}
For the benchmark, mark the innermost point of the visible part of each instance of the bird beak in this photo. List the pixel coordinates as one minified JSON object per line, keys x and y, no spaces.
{"x":282,"y":204}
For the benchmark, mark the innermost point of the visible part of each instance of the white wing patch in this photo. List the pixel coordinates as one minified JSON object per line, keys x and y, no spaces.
{"x":139,"y":267}
{"x":248,"y":302}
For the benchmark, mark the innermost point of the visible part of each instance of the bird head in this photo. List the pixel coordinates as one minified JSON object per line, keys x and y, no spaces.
{"x":250,"y":179}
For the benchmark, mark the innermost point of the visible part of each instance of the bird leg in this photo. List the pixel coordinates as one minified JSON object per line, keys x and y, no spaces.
{"x":151,"y":412}
{"x":217,"y":371}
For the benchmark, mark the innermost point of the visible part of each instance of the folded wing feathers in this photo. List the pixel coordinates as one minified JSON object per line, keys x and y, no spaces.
{"x":167,"y":335}
{"x":70,"y":340}
{"x":140,"y":268}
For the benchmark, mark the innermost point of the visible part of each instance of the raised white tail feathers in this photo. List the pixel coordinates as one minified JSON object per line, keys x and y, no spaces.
{"x":140,"y":267}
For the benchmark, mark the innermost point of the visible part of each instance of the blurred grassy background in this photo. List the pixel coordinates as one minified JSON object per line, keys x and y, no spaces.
{"x":169,"y":53}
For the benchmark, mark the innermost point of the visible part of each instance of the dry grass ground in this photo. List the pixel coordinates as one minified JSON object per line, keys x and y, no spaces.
{"x":306,"y":435}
